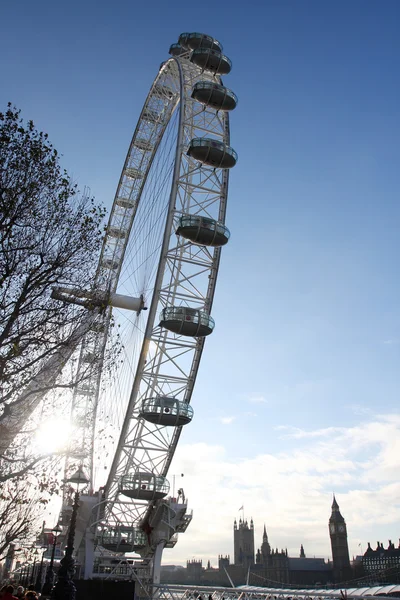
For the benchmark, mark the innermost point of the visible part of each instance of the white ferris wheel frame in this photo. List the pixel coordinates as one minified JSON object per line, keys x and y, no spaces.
{"x":187,"y":273}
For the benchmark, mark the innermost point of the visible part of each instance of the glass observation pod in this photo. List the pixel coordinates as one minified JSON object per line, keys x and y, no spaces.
{"x":203,"y":231}
{"x":212,"y":152}
{"x":150,"y":115}
{"x":144,"y":486}
{"x":211,"y":60}
{"x":214,"y":95}
{"x":125,"y":202}
{"x":186,"y":321}
{"x":177,"y":50}
{"x":116,"y":232}
{"x":133,"y":173}
{"x":123,"y":539}
{"x":163,"y":410}
{"x":143,"y":144}
{"x":199,"y":40}
{"x":110,"y":263}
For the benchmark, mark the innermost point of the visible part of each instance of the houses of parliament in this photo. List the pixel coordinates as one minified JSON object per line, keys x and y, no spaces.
{"x":269,"y":566}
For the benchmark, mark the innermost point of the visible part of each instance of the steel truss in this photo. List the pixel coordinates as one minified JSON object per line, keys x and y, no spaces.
{"x":185,"y":276}
{"x":86,"y":396}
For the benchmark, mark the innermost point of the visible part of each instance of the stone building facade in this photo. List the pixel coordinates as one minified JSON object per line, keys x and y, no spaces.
{"x":270,"y":566}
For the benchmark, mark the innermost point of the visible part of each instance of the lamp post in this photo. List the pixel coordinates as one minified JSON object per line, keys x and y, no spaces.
{"x":48,"y":582}
{"x":65,"y":588}
{"x":38,"y":584}
{"x":35,"y":554}
{"x":22,"y":575}
{"x":28,"y":568}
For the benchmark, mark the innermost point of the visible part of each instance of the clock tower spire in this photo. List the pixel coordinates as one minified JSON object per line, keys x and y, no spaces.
{"x":340,"y":549}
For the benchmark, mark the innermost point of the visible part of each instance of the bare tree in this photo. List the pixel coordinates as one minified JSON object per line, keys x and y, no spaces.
{"x":49,"y":235}
{"x":22,"y":502}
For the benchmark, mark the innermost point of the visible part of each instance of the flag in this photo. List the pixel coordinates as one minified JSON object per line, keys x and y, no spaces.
{"x":241,"y":508}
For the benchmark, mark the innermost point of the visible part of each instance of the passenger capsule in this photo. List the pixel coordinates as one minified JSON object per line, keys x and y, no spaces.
{"x":143,"y":144}
{"x":186,"y":321}
{"x":203,"y":231}
{"x":211,"y":60}
{"x":123,"y":539}
{"x":212,"y":152}
{"x":116,"y":232}
{"x":125,"y":202}
{"x":133,"y":173}
{"x":177,"y":50}
{"x":150,"y":115}
{"x":163,"y":410}
{"x":214,"y":95}
{"x":144,"y":486}
{"x":199,"y":40}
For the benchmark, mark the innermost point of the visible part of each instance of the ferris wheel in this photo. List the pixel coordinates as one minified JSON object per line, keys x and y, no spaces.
{"x":161,"y":252}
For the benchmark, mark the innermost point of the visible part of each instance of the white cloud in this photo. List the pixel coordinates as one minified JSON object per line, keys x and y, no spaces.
{"x":227,"y":420}
{"x":257,"y":399}
{"x":296,"y":433}
{"x":391,"y":342}
{"x":291,"y":490}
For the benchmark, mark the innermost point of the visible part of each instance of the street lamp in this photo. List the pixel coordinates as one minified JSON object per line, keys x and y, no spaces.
{"x":48,"y":582}
{"x":38,"y":584}
{"x":65,"y":588}
{"x":35,"y":554}
{"x":28,"y":568}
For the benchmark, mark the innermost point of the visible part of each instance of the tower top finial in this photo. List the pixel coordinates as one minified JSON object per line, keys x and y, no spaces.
{"x":335,"y":505}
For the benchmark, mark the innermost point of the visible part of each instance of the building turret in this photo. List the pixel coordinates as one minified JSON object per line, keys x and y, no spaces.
{"x":302,"y":553}
{"x":265,"y":547}
{"x":243,"y":539}
{"x":223,"y":562}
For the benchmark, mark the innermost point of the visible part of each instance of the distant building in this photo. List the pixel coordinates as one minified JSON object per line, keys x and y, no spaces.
{"x":223,"y":562}
{"x":340,"y":550}
{"x":381,"y":561}
{"x":243,"y":540}
{"x":277,"y":567}
{"x":309,"y":571}
{"x":273,"y":567}
{"x":194,"y":569}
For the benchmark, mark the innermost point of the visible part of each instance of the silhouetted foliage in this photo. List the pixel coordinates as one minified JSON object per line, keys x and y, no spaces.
{"x":49,"y":235}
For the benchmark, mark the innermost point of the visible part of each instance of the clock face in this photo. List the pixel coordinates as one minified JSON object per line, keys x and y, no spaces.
{"x":332,"y":528}
{"x":341,"y":528}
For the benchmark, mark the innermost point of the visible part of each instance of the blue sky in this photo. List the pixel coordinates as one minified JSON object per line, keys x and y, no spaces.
{"x":306,"y":346}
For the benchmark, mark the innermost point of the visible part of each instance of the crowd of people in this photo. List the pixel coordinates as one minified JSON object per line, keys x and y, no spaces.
{"x":9,"y":592}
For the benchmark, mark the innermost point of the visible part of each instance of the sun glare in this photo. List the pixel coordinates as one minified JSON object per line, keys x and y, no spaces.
{"x":52,"y":435}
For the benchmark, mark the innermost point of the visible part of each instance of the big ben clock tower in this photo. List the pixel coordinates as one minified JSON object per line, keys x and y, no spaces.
{"x":340,"y":549}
